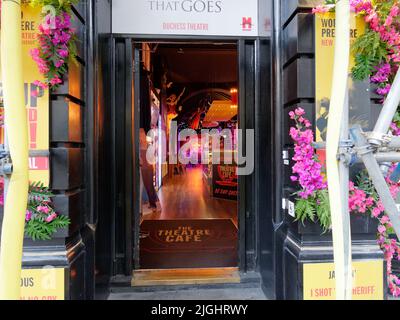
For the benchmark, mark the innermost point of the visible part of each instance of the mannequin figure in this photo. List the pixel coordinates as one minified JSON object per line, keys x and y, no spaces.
{"x":172,"y":102}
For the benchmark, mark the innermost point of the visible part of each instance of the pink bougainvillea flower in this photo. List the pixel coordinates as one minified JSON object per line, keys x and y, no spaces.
{"x":55,"y":81}
{"x":28,"y":215}
{"x":307,"y":170}
{"x":40,"y":84}
{"x":35,"y":52}
{"x":395,"y":129}
{"x":373,"y":20}
{"x":382,"y":74}
{"x":381,"y":229}
{"x":63,"y":53}
{"x":320,"y":9}
{"x":384,"y":90}
{"x":59,"y":63}
{"x":384,"y":219}
{"x":300,"y":112}
{"x":394,"y":12}
{"x":51,"y":217}
{"x":44,"y":209}
{"x":54,"y":43}
{"x":48,"y":22}
{"x":360,"y":6}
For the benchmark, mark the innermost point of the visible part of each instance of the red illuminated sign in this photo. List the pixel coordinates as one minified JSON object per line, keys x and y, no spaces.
{"x":247,"y":24}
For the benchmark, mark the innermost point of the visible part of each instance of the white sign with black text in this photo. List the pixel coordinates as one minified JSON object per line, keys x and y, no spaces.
{"x":189,"y":17}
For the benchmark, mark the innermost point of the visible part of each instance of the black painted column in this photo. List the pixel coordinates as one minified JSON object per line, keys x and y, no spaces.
{"x":298,"y":244}
{"x":68,"y":248}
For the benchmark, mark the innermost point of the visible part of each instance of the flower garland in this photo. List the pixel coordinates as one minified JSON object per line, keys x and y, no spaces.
{"x":377,"y":57}
{"x":56,"y":42}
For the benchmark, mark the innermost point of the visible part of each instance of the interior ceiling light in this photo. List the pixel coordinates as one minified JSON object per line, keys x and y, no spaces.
{"x":234,"y":98}
{"x":180,"y":51}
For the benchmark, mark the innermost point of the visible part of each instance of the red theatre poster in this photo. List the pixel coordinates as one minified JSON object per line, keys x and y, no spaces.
{"x":225,"y":181}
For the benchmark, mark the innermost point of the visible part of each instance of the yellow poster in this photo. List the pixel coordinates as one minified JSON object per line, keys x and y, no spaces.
{"x":37,"y":107}
{"x":319,"y":281}
{"x":324,"y":57}
{"x":43,"y":284}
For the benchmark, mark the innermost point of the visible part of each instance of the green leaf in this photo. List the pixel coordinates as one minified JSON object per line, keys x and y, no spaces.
{"x":364,"y":67}
{"x":37,"y":230}
{"x":305,"y":209}
{"x":61,"y":222}
{"x":323,"y":210}
{"x":370,"y":51}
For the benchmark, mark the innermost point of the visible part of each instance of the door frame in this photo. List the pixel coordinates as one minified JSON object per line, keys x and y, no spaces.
{"x":126,"y":256}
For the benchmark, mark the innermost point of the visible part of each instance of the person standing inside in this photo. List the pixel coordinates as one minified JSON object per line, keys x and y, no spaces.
{"x":147,"y":172}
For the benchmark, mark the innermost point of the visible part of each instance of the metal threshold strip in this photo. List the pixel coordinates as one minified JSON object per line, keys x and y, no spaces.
{"x":185,"y":42}
{"x":174,"y":277}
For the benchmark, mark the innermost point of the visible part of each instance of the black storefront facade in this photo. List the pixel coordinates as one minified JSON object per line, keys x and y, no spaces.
{"x":93,"y":160}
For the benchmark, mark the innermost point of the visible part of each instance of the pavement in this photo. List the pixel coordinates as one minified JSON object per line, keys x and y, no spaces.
{"x":193,"y":294}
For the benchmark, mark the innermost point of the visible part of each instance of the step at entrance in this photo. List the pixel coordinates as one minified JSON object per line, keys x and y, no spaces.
{"x":174,"y":277}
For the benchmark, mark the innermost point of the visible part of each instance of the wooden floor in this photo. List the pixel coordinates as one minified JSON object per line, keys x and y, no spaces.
{"x":185,"y":277}
{"x":185,"y":197}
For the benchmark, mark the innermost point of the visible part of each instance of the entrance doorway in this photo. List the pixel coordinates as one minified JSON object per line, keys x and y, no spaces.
{"x":187,"y":114}
{"x":127,"y":217}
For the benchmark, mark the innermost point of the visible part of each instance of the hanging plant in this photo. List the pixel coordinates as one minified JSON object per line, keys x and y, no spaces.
{"x":56,"y":41}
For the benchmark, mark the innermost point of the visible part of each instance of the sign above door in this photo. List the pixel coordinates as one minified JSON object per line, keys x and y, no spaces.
{"x":192,"y":17}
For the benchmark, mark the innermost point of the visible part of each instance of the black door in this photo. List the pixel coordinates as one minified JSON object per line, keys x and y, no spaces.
{"x":125,"y":157}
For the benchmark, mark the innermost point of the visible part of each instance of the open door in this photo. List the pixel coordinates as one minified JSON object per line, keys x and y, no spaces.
{"x":136,"y":163}
{"x":125,"y":157}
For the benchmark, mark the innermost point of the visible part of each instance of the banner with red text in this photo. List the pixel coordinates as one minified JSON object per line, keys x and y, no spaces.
{"x":319,"y":281}
{"x":47,"y":283}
